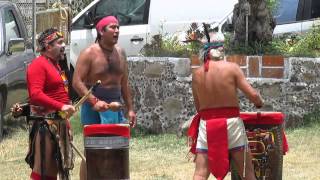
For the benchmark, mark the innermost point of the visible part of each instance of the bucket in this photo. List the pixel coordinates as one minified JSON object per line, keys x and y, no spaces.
{"x":107,"y":151}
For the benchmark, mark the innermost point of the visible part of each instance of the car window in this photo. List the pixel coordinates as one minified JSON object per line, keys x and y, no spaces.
{"x":315,"y":9}
{"x":79,"y":24}
{"x":286,"y":11}
{"x":129,"y":12}
{"x":11,"y":26}
{"x":1,"y":36}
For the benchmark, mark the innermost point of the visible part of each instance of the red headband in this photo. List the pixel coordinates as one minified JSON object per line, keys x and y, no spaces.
{"x":52,"y":37}
{"x":105,"y":22}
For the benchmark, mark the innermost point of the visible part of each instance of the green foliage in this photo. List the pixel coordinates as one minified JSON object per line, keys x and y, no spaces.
{"x":290,"y":45}
{"x":307,"y":45}
{"x":312,"y":119}
{"x":255,"y":48}
{"x":165,"y":46}
{"x":272,"y":4}
{"x":76,"y":124}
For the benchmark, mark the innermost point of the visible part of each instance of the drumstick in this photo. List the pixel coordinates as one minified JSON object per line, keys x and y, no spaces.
{"x":81,"y":101}
{"x":124,"y":124}
{"x":85,"y":97}
{"x":78,"y":152}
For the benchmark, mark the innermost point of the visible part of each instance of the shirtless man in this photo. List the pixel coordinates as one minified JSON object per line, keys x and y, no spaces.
{"x":217,"y":130}
{"x":104,"y":61}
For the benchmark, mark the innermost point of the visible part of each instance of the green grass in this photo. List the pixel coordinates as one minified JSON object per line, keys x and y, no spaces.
{"x":163,"y":157}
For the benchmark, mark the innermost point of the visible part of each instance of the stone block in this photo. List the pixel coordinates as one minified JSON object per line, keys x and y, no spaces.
{"x":138,"y":68}
{"x":271,"y":90}
{"x":270,"y":60}
{"x":172,"y":107}
{"x":241,"y":60}
{"x":272,"y":73}
{"x":154,"y":70}
{"x":254,"y":67}
{"x":182,"y":67}
{"x":150,"y":98}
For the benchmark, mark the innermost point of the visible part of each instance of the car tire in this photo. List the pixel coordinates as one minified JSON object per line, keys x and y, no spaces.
{"x":2,"y":107}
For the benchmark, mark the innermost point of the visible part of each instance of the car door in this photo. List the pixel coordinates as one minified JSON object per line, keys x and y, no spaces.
{"x":310,"y":15}
{"x":296,"y":16}
{"x":133,"y":18}
{"x":15,"y":65}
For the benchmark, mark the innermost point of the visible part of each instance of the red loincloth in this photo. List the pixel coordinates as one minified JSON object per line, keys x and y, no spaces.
{"x":217,"y":137}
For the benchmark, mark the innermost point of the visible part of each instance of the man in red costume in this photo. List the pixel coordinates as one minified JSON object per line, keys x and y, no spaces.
{"x":217,"y":130}
{"x":48,"y":93}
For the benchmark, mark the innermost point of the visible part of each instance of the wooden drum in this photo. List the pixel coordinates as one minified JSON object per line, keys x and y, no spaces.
{"x":267,"y":144}
{"x":107,"y":151}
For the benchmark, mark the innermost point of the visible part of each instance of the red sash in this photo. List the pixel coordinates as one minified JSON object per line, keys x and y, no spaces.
{"x":217,"y":137}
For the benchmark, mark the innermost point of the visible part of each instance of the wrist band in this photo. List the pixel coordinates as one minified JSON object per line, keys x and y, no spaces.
{"x":93,"y":101}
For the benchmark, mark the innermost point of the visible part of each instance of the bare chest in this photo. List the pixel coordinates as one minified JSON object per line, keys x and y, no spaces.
{"x":108,"y":65}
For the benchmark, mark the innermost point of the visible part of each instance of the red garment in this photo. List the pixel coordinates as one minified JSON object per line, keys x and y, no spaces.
{"x":36,"y":176}
{"x":217,"y":137}
{"x":111,"y":129}
{"x":45,"y":84}
{"x":207,"y":62}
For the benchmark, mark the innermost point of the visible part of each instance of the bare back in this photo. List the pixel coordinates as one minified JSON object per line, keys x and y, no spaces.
{"x":218,"y":87}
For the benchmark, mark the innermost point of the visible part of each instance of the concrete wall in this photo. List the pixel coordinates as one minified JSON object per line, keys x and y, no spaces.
{"x":163,"y":97}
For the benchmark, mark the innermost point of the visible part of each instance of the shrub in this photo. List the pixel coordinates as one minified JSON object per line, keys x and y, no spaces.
{"x":308,"y":44}
{"x":161,"y":46}
{"x":298,"y":45}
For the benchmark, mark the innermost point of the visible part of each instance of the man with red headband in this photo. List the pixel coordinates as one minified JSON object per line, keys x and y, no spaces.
{"x":48,"y":94}
{"x":104,"y":61}
{"x":217,"y":131}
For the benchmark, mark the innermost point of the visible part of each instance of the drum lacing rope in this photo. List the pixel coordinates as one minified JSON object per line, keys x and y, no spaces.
{"x":244,"y":155}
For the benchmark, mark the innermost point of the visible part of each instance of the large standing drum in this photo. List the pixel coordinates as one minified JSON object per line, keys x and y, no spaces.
{"x":107,"y":151}
{"x":267,"y":144}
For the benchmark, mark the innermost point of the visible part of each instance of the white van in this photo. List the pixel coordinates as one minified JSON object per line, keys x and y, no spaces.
{"x":296,"y":16}
{"x":141,"y":19}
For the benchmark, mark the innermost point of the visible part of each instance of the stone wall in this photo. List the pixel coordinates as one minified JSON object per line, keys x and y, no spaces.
{"x":162,"y":93}
{"x":163,"y":97}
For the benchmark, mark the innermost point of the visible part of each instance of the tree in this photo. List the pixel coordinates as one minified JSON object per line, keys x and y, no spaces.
{"x":260,"y":25}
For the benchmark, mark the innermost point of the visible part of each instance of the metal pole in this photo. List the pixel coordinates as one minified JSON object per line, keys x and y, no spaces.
{"x":47,"y":4}
{"x":247,"y":14}
{"x":34,"y":25}
{"x":247,"y":31}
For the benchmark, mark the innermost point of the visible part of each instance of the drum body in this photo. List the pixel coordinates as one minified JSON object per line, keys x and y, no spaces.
{"x":265,"y":134}
{"x":107,"y":151}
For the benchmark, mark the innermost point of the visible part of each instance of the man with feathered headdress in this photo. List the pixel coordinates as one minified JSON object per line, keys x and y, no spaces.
{"x":217,"y":131}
